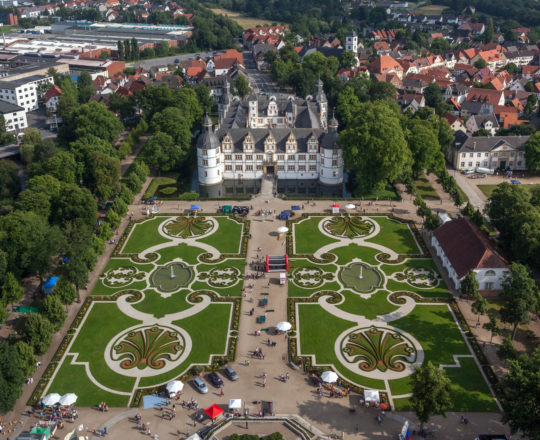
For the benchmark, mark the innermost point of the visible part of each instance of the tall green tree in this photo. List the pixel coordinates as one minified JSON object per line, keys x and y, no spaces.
{"x":127,"y":50}
{"x":11,"y":291}
{"x":374,"y":145}
{"x":492,"y":325}
{"x":479,"y":307}
{"x":27,"y":360}
{"x":520,"y":388}
{"x":532,"y":152}
{"x":135,"y":54}
{"x":11,"y":376}
{"x":469,"y":285}
{"x":424,"y":145}
{"x":521,"y":297}
{"x":37,"y":331}
{"x":53,"y":310}
{"x":241,"y":85}
{"x":120,"y":47}
{"x":488,"y":33}
{"x":430,"y":392}
{"x":85,"y":87}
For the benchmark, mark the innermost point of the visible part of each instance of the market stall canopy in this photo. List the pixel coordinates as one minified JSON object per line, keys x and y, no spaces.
{"x":194,"y":437}
{"x":68,"y":399}
{"x":235,"y":403}
{"x":350,"y":206}
{"x":284,"y":326}
{"x":283,"y":229}
{"x":51,"y":399}
{"x":372,"y":396}
{"x":195,"y":207}
{"x":175,"y":386}
{"x":329,"y":377}
{"x":213,"y":411}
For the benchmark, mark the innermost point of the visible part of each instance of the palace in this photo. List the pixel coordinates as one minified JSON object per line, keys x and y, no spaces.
{"x":282,"y":135}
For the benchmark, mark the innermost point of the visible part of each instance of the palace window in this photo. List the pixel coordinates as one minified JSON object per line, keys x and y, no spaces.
{"x":291,"y":168}
{"x":238,"y":168}
{"x":280,"y":157}
{"x":259,"y":167}
{"x":301,"y":168}
{"x":302,"y":157}
{"x":312,"y":157}
{"x":205,"y":162}
{"x":249,"y":167}
{"x":281,"y":167}
{"x":334,"y":163}
{"x":260,"y":157}
{"x":228,"y":157}
{"x":228,"y":167}
{"x":237,"y":157}
{"x":249,"y":156}
{"x":313,"y":168}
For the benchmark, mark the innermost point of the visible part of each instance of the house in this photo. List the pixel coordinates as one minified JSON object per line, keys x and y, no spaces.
{"x":14,"y":117}
{"x":455,"y":122}
{"x":23,"y":92}
{"x":386,"y":64}
{"x":493,"y":58}
{"x":495,"y":152}
{"x":487,"y":122}
{"x":259,"y":52}
{"x":463,"y":247}
{"x":485,"y":96}
{"x":51,"y":98}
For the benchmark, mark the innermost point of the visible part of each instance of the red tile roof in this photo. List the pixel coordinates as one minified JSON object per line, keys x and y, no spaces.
{"x":466,"y":247}
{"x":52,"y":92}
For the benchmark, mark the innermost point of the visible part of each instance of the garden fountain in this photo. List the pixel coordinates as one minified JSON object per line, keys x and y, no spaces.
{"x":172,"y":276}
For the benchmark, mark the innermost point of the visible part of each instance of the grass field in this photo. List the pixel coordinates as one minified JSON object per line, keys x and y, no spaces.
{"x":395,"y":235}
{"x":144,"y":235}
{"x":227,"y":238}
{"x":488,"y":189}
{"x":157,"y":182}
{"x":430,"y":9}
{"x":308,"y":237}
{"x":243,"y":20}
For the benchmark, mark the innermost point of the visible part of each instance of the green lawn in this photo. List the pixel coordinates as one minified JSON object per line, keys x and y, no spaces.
{"x":488,"y":189}
{"x":308,"y":238}
{"x":187,"y":253}
{"x":102,"y":323}
{"x":144,"y":235}
{"x":155,"y":304}
{"x":346,"y":254}
{"x":208,"y":330}
{"x":157,"y":182}
{"x":396,"y":236}
{"x":376,"y":305}
{"x":424,"y":189}
{"x":315,"y":339}
{"x":73,"y":378}
{"x":227,"y":238}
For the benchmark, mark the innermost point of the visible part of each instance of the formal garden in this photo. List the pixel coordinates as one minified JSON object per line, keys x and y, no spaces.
{"x":167,"y":302}
{"x":367,"y":300}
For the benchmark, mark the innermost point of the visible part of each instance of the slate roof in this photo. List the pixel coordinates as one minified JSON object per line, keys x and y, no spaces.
{"x":466,"y":247}
{"x":487,"y":143}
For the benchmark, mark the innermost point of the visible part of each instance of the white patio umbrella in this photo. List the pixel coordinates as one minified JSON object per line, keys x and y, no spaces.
{"x":350,"y":206}
{"x":283,"y":229}
{"x":284,"y":326}
{"x":329,"y":377}
{"x":51,"y":399}
{"x":68,"y":399}
{"x":174,"y":386}
{"x":235,"y":403}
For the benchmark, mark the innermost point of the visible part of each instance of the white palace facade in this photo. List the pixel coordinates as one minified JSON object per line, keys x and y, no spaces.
{"x":282,"y":135}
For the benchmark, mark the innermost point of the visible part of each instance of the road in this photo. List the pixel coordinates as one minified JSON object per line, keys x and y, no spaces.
{"x":260,"y":81}
{"x":476,"y":197}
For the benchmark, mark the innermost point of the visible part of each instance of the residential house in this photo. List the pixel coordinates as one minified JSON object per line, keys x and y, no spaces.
{"x":386,"y":64}
{"x":495,"y":152}
{"x":487,"y":122}
{"x":51,"y":98}
{"x":493,"y":58}
{"x":455,"y":122}
{"x":463,"y":247}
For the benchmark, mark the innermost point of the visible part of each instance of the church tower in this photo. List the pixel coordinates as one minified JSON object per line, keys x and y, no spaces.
{"x":351,"y":41}
{"x":225,"y":101}
{"x":322,"y":102}
{"x":209,"y":163}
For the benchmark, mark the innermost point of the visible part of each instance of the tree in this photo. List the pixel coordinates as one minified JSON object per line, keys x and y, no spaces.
{"x":432,"y":221}
{"x":65,"y":291}
{"x":433,"y":94}
{"x":53,"y":310}
{"x":479,"y":307}
{"x":241,"y":85}
{"x":439,"y":45}
{"x":205,"y":100}
{"x":481,"y":132}
{"x":69,"y":99}
{"x":85,"y":87}
{"x":521,"y":297}
{"x":430,"y":392}
{"x":37,"y":331}
{"x":488,"y":33}
{"x":532,"y":152}
{"x":161,"y":153}
{"x":520,"y":389}
{"x":469,"y":285}
{"x":135,"y":54}
{"x":512,"y":68}
{"x":27,"y":361}
{"x":374,"y":146}
{"x":11,"y":291}
{"x":492,"y":325}
{"x":104,"y":175}
{"x":127,"y":50}
{"x":11,"y":376}
{"x":348,"y":59}
{"x":424,"y":145}
{"x":91,"y":119}
{"x":120,"y":46}
{"x":480,"y":63}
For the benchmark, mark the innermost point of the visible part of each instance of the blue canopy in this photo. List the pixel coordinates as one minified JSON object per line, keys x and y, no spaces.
{"x":516,"y":182}
{"x":295,"y":207}
{"x":195,"y":207}
{"x":49,"y":284}
{"x":152,"y":401}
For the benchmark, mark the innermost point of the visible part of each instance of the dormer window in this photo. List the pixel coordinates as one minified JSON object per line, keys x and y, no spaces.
{"x":248,"y":143}
{"x":269,"y":144}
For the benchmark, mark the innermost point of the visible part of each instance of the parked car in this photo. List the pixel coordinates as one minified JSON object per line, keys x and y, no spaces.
{"x":230,"y":373}
{"x":467,"y":172}
{"x":240,"y":210}
{"x":200,"y":385}
{"x":215,"y":379}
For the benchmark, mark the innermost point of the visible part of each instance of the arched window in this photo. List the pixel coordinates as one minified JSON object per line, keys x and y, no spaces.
{"x":490,"y":273}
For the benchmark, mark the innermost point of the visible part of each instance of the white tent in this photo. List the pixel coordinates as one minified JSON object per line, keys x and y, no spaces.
{"x":175,"y":386}
{"x":68,"y":399}
{"x":194,"y":437}
{"x":350,"y":206}
{"x":235,"y":403}
{"x":51,"y":399}
{"x":283,"y":229}
{"x":329,"y":377}
{"x":372,"y":396}
{"x":284,"y":326}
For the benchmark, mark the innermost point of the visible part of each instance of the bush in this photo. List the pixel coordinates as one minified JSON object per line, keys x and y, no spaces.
{"x":124,"y":149}
{"x":133,"y":183}
{"x":193,"y":195}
